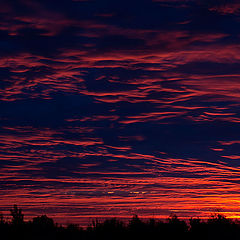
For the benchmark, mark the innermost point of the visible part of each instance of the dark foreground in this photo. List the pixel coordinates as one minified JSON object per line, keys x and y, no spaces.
{"x":42,"y":227}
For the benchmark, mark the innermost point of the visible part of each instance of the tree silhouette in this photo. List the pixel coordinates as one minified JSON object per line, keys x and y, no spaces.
{"x":135,"y":222}
{"x":43,"y":222}
{"x":1,"y":218}
{"x":176,"y":228}
{"x":42,"y":227}
{"x":17,"y":215}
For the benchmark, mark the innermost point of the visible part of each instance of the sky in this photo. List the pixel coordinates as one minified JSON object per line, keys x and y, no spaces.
{"x":114,"y":108}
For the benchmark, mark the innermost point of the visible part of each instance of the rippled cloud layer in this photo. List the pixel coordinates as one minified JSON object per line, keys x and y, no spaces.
{"x":114,"y":108}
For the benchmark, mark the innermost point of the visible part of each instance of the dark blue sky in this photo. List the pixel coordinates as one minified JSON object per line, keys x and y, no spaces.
{"x":114,"y":108}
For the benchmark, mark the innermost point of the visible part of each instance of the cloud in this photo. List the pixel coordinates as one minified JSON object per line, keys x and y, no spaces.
{"x":225,"y":8}
{"x":119,"y":108}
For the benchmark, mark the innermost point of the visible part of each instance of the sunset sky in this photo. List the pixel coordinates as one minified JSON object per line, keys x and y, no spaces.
{"x":110,"y":108}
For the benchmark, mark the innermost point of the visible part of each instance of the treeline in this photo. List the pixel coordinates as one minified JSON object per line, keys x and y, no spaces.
{"x":43,"y":227}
